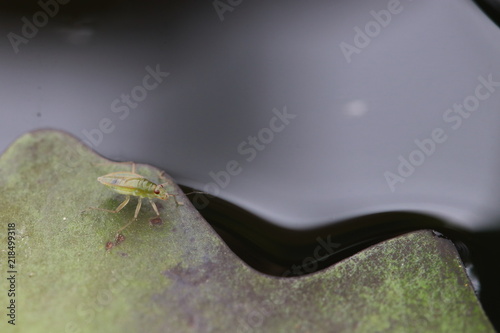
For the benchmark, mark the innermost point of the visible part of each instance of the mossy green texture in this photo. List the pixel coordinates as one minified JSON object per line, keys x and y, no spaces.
{"x":180,"y":276}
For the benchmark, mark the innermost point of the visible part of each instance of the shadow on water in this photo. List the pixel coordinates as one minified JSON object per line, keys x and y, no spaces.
{"x":490,"y":8}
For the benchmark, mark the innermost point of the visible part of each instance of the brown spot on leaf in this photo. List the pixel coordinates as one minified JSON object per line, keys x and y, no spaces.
{"x":156,"y":221}
{"x":119,"y":239}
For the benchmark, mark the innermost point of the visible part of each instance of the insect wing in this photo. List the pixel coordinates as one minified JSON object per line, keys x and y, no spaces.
{"x":122,"y":182}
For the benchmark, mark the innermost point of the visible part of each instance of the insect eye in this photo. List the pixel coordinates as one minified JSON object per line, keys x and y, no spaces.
{"x":157,"y":191}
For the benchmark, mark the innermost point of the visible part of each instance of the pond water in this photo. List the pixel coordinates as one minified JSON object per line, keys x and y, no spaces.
{"x":350,"y":120}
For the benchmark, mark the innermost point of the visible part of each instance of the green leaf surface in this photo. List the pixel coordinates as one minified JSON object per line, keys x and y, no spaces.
{"x":181,"y":277}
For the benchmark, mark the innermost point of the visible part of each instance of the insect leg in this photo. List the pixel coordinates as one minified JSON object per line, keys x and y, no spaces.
{"x":169,"y":184}
{"x":162,"y":174}
{"x":176,"y":201}
{"x":130,"y":162}
{"x":166,"y":181}
{"x":120,"y":207}
{"x":124,"y":227}
{"x":139,"y":203}
{"x":154,"y":207}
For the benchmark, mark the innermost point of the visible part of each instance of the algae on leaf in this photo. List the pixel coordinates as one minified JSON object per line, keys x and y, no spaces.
{"x":181,"y":277}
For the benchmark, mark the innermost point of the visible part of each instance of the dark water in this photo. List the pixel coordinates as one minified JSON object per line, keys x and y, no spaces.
{"x":346,"y":121}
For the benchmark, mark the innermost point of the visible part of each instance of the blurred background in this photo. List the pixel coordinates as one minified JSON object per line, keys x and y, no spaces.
{"x":355,"y":119}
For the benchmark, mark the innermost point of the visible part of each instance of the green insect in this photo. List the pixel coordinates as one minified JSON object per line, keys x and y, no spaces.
{"x":133,"y":184}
